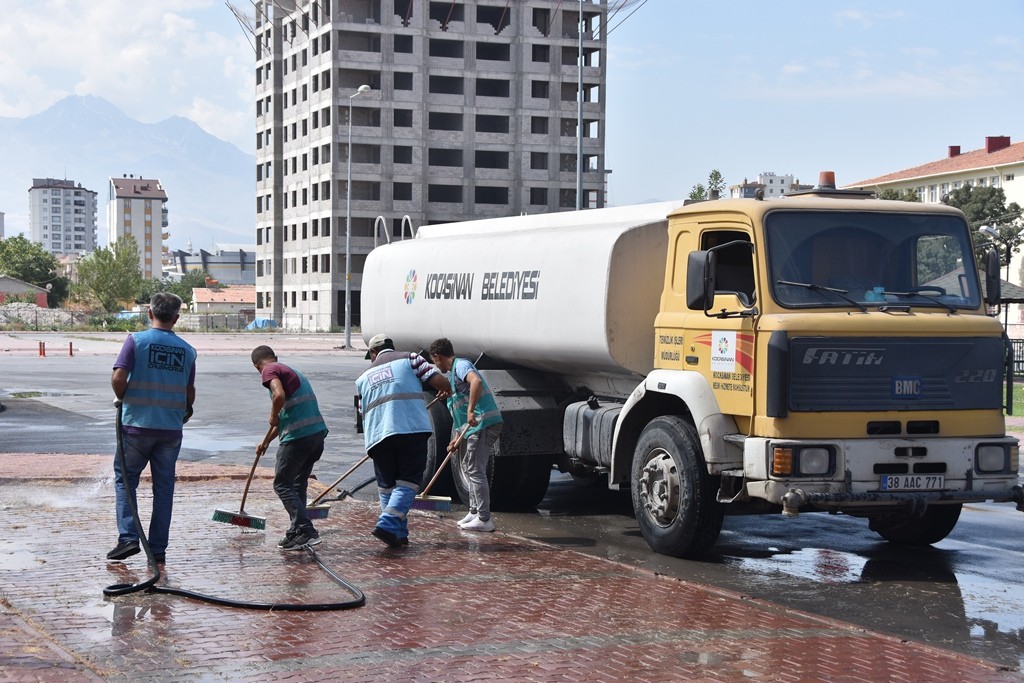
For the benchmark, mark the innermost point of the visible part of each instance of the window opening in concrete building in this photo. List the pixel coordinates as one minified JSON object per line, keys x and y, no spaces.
{"x":489,"y":123}
{"x":403,"y":80}
{"x":356,"y":41}
{"x":539,"y":89}
{"x":446,"y":85}
{"x":402,"y":154}
{"x":539,"y":125}
{"x":402,"y":191}
{"x":448,"y":194}
{"x":403,"y":45}
{"x":403,"y":118}
{"x":497,"y":17}
{"x":486,"y":159}
{"x":542,"y":20}
{"x":440,"y":120}
{"x":492,"y":87}
{"x":444,"y":157}
{"x":494,"y":52}
{"x":539,"y":196}
{"x":541,"y":53}
{"x":446,"y":12}
{"x":566,"y":198}
{"x":539,"y":161}
{"x":349,"y":80}
{"x":453,"y":49}
{"x":403,"y":9}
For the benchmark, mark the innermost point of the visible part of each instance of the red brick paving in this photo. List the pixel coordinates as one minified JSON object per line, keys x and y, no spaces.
{"x":453,"y":606}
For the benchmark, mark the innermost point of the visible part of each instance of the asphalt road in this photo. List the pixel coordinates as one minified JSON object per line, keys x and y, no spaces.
{"x":966,"y":593}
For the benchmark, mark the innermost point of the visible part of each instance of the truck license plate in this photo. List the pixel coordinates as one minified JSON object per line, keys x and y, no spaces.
{"x":913,"y":482}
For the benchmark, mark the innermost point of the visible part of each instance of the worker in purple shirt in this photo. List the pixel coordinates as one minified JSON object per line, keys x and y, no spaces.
{"x":154,"y":378}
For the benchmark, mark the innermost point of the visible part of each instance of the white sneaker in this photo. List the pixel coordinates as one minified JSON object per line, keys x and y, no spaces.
{"x":467,"y":519}
{"x":478,"y":524}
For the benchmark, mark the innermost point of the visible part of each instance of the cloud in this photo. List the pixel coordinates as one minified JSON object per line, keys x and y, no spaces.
{"x":866,"y":19}
{"x":151,"y":59}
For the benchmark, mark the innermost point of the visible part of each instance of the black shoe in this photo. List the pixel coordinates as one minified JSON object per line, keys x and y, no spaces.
{"x":301,"y":541}
{"x":123,"y":550}
{"x":386,"y":536}
{"x":287,"y":539}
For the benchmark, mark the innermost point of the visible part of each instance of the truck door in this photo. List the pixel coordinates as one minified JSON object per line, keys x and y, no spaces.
{"x":720,"y":344}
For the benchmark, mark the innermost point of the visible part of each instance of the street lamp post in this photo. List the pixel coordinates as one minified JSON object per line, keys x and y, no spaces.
{"x":348,"y":222}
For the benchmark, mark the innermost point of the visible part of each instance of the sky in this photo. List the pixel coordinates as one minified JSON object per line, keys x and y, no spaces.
{"x":860,"y":88}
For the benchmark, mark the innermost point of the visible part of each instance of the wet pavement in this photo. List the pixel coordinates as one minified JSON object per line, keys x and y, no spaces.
{"x":453,"y":606}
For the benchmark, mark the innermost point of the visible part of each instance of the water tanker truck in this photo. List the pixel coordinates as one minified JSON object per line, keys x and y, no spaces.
{"x":823,"y":352}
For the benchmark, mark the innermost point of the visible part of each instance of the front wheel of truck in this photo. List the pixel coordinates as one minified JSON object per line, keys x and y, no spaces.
{"x":904,"y":528}
{"x":673,"y":496}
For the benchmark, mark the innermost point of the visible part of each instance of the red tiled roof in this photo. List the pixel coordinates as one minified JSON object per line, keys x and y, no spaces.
{"x":975,"y":159}
{"x":138,"y":188}
{"x":245,"y":294}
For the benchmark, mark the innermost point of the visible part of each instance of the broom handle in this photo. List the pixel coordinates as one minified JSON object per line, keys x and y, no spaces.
{"x":252,"y":471}
{"x":444,"y":462}
{"x":339,"y":480}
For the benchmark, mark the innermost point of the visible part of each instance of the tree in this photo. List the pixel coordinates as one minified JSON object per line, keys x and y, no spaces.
{"x":987,"y":206}
{"x":900,"y":195}
{"x":111,"y":275}
{"x":714,"y":189}
{"x":27,"y":261}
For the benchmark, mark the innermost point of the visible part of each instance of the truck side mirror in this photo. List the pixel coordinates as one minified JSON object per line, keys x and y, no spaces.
{"x":993,"y":285}
{"x":700,"y":280}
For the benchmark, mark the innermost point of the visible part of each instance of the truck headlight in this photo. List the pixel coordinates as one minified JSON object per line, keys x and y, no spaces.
{"x":992,"y":459}
{"x":815,"y":460}
{"x":802,"y":461}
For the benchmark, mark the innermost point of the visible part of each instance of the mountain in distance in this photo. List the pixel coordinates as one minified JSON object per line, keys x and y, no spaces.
{"x":210,"y":183}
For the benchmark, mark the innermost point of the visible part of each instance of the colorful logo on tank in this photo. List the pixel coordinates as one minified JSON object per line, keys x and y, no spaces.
{"x":410,"y":287}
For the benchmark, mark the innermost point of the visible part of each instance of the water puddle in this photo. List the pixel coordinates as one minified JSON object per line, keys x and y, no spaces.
{"x":816,"y":564}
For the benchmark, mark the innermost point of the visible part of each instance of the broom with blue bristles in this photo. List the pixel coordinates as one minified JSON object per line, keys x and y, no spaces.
{"x":240,"y":518}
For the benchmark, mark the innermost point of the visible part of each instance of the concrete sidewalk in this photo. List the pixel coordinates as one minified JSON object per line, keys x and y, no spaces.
{"x":453,"y":606}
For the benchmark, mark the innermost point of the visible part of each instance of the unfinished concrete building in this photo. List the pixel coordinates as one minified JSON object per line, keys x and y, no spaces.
{"x":474,"y":110}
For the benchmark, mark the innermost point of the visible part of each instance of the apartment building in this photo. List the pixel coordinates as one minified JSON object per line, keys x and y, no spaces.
{"x":996,"y":164}
{"x":474,"y":109}
{"x":62,"y":216}
{"x":771,"y":184}
{"x":137,"y":207}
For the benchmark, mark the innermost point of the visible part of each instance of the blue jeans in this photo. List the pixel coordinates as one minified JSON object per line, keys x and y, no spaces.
{"x":295,"y":460}
{"x":160,"y":452}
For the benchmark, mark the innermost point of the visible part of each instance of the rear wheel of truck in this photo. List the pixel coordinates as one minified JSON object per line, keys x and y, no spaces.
{"x":520,"y":481}
{"x":673,"y":496}
{"x":903,"y":528}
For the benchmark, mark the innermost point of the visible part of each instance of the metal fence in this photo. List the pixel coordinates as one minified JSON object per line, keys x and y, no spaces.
{"x":1018,"y":357}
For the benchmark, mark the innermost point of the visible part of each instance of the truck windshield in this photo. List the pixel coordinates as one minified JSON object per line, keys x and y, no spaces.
{"x":862,"y":259}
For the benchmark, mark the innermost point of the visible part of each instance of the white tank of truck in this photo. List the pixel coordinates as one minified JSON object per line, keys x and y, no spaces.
{"x":574,"y":292}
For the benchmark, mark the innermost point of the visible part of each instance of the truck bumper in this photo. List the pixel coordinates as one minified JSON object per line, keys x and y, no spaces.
{"x":796,"y":499}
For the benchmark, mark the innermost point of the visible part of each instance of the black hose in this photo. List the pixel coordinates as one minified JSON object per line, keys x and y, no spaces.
{"x":148,"y":585}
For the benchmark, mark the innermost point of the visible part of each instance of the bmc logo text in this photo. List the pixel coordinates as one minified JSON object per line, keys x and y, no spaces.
{"x":843,"y":357}
{"x":907,"y":387}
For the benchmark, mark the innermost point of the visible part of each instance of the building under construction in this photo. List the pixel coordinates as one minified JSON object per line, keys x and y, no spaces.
{"x":473,"y":109}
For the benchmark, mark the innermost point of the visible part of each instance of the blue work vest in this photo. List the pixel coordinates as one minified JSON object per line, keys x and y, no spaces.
{"x":392,"y":399}
{"x":300,"y":415}
{"x":486,"y":409}
{"x":157,"y":393}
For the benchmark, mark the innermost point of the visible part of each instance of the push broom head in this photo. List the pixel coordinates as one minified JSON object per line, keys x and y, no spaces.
{"x":240,"y":519}
{"x":438,"y":503}
{"x":318,"y":511}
